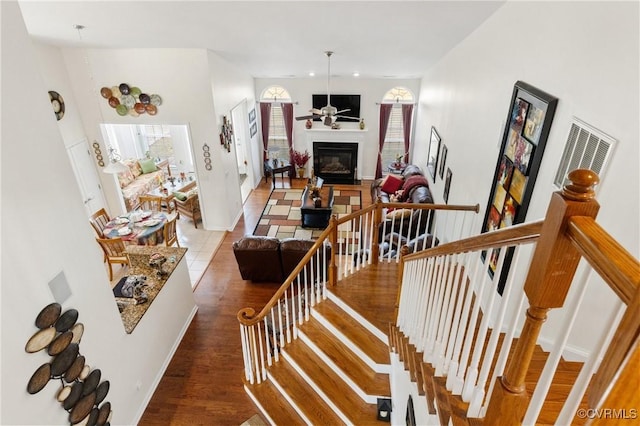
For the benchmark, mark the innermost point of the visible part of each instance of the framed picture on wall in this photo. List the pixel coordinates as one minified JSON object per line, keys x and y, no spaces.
{"x":443,"y":160}
{"x":432,"y":155}
{"x":447,"y":186}
{"x":253,"y":129}
{"x":252,"y":115}
{"x":529,"y":118}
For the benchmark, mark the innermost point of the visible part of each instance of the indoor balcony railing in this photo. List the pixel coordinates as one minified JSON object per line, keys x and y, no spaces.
{"x":460,"y":318}
{"x":348,"y":245}
{"x":463,"y":316}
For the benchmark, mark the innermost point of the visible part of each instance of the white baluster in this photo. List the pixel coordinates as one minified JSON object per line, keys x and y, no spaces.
{"x":473,"y":371}
{"x":455,"y":379}
{"x":248,"y":375}
{"x":479,"y":392}
{"x":591,"y":365}
{"x":276,"y":350}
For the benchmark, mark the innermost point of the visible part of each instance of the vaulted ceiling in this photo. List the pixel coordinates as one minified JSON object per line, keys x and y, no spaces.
{"x":382,"y":39}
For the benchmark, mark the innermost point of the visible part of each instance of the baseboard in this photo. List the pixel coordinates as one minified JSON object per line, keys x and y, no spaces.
{"x":165,"y":364}
{"x":569,"y":353}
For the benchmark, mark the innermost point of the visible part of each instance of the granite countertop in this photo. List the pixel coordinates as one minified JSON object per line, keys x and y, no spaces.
{"x":130,"y":311}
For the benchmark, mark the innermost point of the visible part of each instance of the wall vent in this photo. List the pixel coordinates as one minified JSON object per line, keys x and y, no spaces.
{"x":586,"y":148}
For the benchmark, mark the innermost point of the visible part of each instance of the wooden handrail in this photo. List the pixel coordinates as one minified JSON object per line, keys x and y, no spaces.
{"x":247,"y":316}
{"x":513,"y":235}
{"x":619,"y":269}
{"x":429,"y":206}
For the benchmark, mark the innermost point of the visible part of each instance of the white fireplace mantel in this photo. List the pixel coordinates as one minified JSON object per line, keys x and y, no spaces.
{"x":339,"y":136}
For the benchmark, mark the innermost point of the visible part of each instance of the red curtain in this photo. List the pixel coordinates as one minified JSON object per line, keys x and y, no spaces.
{"x":385,"y":113}
{"x":265,"y":119}
{"x":287,"y":114}
{"x":407,"y":116}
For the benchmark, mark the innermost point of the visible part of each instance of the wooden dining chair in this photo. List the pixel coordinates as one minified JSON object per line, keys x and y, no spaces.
{"x":170,"y":232}
{"x":98,"y":221}
{"x":115,"y":251}
{"x":151,"y":202}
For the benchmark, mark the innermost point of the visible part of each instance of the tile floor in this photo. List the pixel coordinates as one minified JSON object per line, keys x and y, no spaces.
{"x":202,"y":245}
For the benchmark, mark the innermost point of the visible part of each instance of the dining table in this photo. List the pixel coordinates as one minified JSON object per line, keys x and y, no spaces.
{"x":145,"y":228}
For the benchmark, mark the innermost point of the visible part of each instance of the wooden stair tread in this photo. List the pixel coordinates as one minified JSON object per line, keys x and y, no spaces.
{"x":372,"y":292}
{"x":306,"y":399}
{"x":331,"y":384}
{"x":350,"y":364}
{"x":354,"y":331}
{"x":276,"y":407}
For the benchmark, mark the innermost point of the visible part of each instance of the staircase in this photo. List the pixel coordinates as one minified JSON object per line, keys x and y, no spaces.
{"x":332,"y":374}
{"x":462,"y":330}
{"x":451,"y":408}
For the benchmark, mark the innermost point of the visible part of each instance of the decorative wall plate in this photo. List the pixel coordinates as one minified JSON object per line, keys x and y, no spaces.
{"x":39,"y":379}
{"x":82,"y":408}
{"x":130,"y":100}
{"x":78,"y":331}
{"x":60,"y":343}
{"x":57,"y":103}
{"x":74,"y":396}
{"x":48,"y":315}
{"x":40,"y":340}
{"x":67,"y":320}
{"x":64,"y":360}
{"x":74,"y":371}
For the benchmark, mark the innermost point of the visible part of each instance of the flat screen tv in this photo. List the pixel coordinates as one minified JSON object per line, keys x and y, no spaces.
{"x":350,"y":102}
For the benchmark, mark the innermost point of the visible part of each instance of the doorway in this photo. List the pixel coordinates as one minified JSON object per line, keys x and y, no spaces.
{"x":240,"y":121}
{"x":168,"y":145}
{"x":86,"y":176}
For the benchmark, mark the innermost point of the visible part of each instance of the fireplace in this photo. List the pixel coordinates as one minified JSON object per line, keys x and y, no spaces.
{"x":335,"y":162}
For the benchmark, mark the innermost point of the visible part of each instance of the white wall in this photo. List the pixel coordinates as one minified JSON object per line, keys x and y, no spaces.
{"x":561,"y":48}
{"x":230,"y":86}
{"x":45,"y":231}
{"x":183,"y":78}
{"x":371,"y":92}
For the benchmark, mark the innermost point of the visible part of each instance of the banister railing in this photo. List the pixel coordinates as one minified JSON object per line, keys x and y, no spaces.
{"x":452,"y":309}
{"x":350,"y":242}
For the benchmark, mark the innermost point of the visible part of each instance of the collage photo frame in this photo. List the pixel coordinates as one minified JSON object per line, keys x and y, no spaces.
{"x":529,"y":120}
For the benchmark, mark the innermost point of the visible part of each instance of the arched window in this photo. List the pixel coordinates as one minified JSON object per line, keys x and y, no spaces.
{"x":394,"y":139}
{"x":276,"y":95}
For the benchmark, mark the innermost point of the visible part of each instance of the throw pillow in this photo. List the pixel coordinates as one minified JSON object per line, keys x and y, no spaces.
{"x":180,"y":195}
{"x":391,"y":184}
{"x":147,"y":166}
{"x":125,"y":178}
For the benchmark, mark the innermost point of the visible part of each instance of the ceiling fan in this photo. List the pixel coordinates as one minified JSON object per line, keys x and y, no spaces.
{"x":328,"y":114}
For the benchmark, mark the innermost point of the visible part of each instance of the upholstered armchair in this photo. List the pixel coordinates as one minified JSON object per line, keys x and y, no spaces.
{"x":190,"y":207}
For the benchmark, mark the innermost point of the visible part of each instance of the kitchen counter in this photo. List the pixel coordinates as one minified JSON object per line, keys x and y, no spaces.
{"x":130,"y":311}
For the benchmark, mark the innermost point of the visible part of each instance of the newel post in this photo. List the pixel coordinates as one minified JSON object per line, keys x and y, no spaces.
{"x":377,"y":220}
{"x":333,"y":238}
{"x":548,"y":281}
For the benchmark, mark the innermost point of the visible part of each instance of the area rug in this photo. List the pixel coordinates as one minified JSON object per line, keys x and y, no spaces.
{"x":281,"y":216}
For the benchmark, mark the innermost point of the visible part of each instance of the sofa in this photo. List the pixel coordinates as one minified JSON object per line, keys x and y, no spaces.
{"x":409,"y":187}
{"x":142,"y":177}
{"x":268,"y":259}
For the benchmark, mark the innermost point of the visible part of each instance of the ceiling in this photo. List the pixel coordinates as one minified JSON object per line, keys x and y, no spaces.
{"x":272,"y":39}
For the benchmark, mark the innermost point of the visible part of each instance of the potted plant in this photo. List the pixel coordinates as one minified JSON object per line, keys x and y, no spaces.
{"x":300,"y":160}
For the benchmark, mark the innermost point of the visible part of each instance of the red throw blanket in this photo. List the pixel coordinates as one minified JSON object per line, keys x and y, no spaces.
{"x":409,"y":184}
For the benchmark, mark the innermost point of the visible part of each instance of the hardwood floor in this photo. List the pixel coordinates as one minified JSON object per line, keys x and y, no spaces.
{"x":203,"y":383}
